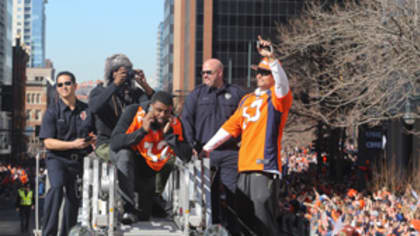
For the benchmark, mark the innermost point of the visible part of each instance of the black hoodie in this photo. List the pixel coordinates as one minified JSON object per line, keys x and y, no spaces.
{"x":108,"y":103}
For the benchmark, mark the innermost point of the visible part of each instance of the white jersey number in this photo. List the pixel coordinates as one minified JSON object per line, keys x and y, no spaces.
{"x":159,"y":146}
{"x":248,"y":118}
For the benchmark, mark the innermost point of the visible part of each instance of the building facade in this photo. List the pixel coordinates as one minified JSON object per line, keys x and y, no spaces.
{"x":223,"y":29}
{"x":159,"y":57}
{"x":6,"y":11}
{"x":167,"y":57}
{"x":37,"y":83}
{"x":18,"y":118}
{"x":6,"y":56}
{"x":29,"y":24}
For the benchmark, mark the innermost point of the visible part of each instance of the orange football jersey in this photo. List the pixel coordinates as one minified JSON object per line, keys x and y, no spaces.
{"x":260,"y":119}
{"x":153,"y":146}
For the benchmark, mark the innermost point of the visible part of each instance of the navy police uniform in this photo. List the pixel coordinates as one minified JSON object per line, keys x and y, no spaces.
{"x":204,"y":112}
{"x":62,"y":123}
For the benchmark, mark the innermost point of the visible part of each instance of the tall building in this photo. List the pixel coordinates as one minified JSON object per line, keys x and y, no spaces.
{"x":17,"y":103}
{"x":29,"y":23}
{"x":167,"y":58}
{"x":6,"y":11}
{"x":159,"y":61}
{"x":223,"y":29}
{"x":37,"y":83}
{"x":6,"y":56}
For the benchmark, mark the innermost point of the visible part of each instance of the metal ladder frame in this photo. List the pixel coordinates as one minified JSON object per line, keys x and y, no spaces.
{"x":190,"y":210}
{"x":37,"y":231}
{"x":98,"y":213}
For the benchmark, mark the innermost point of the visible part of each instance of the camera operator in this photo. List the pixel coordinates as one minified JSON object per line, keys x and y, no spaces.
{"x":109,"y":100}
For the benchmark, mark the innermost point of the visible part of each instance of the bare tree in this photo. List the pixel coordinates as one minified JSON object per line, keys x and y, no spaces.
{"x":354,"y":63}
{"x":350,"y":64}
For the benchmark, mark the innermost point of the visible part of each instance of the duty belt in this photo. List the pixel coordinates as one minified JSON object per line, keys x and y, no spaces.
{"x":75,"y":157}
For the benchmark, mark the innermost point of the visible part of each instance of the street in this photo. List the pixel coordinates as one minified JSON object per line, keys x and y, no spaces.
{"x":9,"y":219}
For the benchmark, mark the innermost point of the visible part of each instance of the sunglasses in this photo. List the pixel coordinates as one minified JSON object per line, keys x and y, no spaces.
{"x":263,"y":72}
{"x":67,"y":83}
{"x":208,"y":72}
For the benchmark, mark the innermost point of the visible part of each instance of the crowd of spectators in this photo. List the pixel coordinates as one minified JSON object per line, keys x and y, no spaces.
{"x":13,"y":176}
{"x":318,"y":204}
{"x":328,"y":207}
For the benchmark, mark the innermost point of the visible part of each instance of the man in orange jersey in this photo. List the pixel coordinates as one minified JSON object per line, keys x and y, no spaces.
{"x":144,"y":139}
{"x":259,"y":119}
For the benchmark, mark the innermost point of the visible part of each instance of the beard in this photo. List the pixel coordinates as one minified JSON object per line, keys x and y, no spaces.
{"x":157,"y":125}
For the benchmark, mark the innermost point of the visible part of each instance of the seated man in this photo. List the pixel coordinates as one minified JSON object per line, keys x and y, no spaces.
{"x":144,"y":139}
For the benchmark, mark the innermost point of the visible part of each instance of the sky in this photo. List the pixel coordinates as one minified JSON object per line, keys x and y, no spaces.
{"x":81,"y":34}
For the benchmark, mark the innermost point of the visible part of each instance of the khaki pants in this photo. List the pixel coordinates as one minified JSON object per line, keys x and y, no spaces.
{"x":102,"y":151}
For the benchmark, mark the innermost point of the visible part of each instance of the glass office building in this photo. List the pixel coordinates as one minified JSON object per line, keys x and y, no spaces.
{"x":227,"y":30}
{"x":236,"y":25}
{"x":167,"y":37}
{"x":6,"y":11}
{"x":38,"y":33}
{"x":29,"y":24}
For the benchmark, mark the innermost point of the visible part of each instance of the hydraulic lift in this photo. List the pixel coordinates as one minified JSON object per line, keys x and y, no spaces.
{"x":187,"y":192}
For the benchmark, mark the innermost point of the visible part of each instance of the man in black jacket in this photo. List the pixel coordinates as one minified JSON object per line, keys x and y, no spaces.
{"x":109,"y":100}
{"x":145,"y":138}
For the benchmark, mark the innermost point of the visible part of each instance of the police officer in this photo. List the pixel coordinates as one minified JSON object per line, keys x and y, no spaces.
{"x":67,"y":132}
{"x":206,"y":108}
{"x":24,"y":204}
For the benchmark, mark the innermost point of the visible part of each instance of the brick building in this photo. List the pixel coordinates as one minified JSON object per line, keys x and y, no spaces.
{"x":38,"y":81}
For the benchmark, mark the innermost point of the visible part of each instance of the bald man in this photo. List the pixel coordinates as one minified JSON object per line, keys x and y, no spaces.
{"x":206,"y":108}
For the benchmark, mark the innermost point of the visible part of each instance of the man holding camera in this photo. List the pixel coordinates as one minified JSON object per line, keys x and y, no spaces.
{"x":109,"y":100}
{"x":66,"y":131}
{"x":144,"y":139}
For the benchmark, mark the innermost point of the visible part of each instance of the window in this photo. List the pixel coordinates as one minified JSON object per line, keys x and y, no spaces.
{"x":29,"y":115}
{"x":28,"y":98}
{"x":32,"y":98}
{"x":38,"y":98}
{"x":37,"y":115}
